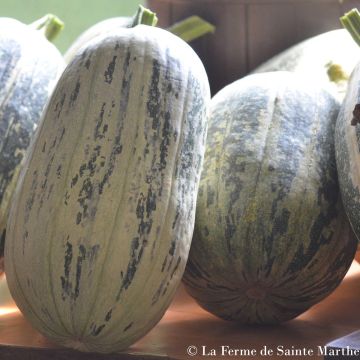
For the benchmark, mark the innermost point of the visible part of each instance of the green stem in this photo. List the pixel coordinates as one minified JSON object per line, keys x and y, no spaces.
{"x":145,"y":17}
{"x":191,"y":28}
{"x":50,"y":25}
{"x":351,"y":22}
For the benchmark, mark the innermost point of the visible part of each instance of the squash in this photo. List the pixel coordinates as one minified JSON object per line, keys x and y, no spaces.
{"x":271,"y":237}
{"x":104,"y":211}
{"x":329,"y":57}
{"x":29,"y":68}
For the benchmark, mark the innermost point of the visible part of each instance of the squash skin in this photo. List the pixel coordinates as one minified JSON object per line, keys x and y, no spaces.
{"x":113,"y":176}
{"x":101,"y":28}
{"x":311,"y":57}
{"x":347,"y":152}
{"x":27,"y":78}
{"x":271,"y":238}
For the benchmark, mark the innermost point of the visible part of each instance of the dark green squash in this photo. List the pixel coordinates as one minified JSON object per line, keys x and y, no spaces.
{"x":271,"y":238}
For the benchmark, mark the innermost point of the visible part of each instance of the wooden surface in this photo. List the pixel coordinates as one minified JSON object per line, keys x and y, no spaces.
{"x":186,"y":324}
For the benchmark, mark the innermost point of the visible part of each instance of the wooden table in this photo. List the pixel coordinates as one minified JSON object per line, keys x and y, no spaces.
{"x":185,"y":324}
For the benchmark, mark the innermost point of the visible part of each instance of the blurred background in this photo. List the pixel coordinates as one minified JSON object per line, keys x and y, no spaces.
{"x":248,"y":32}
{"x":77,"y":15}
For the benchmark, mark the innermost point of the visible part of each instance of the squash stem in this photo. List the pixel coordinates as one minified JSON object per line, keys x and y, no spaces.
{"x":145,"y":17}
{"x":191,"y":28}
{"x":50,"y":25}
{"x":351,"y":22}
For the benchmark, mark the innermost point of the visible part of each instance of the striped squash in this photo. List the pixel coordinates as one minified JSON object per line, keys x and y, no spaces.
{"x":271,"y":237}
{"x":103,"y":216}
{"x":319,"y":58}
{"x":29,"y":68}
{"x":347,"y":145}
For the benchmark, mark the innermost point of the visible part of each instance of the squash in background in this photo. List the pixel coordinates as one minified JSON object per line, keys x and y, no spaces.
{"x":29,"y":68}
{"x":328,"y":58}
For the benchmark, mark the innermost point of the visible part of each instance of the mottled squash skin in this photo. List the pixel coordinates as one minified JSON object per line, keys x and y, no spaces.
{"x":104,"y":211}
{"x":271,"y":238}
{"x":29,"y":68}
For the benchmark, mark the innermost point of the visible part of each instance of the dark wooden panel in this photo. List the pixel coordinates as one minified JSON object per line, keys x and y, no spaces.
{"x":311,"y":19}
{"x":347,"y":5}
{"x":162,"y":10}
{"x":223,"y":53}
{"x":271,"y":29}
{"x":249,"y":32}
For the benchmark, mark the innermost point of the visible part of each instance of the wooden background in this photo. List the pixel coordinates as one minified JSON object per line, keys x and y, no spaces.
{"x":249,"y":32}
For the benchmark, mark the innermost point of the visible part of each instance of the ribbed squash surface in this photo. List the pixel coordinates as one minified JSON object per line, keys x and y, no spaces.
{"x":101,"y":225}
{"x":271,"y":238}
